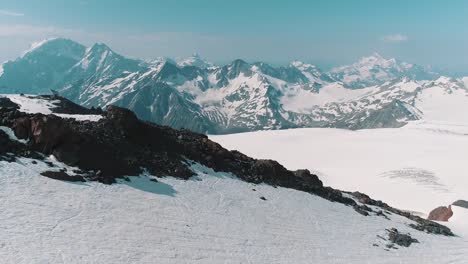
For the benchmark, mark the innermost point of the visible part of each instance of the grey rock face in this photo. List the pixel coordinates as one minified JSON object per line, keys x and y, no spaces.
{"x":461,"y":203}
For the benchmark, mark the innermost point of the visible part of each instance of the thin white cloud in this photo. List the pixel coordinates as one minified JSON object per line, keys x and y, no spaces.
{"x":10,"y":13}
{"x":395,"y":38}
{"x":7,"y":30}
{"x":133,"y":45}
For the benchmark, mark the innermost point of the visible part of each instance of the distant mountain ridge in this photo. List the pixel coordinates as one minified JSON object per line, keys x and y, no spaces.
{"x":240,"y":96}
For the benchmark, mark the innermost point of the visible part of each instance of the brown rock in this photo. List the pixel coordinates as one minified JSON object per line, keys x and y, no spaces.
{"x":441,"y":213}
{"x":22,"y":128}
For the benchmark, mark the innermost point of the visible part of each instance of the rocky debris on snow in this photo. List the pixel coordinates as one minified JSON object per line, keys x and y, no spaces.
{"x":461,"y":203}
{"x":10,"y":149}
{"x":442,"y":213}
{"x":63,"y":176}
{"x":404,"y":240}
{"x":422,"y":224}
{"x":362,"y":209}
{"x":121,"y":145}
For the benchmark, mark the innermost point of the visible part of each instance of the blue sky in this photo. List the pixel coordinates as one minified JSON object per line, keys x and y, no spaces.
{"x":323,"y":32}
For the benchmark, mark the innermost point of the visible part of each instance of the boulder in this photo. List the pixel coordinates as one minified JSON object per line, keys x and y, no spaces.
{"x":441,"y":213}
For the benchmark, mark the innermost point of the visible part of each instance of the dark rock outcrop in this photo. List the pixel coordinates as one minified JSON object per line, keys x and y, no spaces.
{"x":121,"y":145}
{"x":442,"y":213}
{"x":461,"y":203}
{"x":421,"y":223}
{"x":7,"y":103}
{"x":62,"y":176}
{"x":404,"y":240}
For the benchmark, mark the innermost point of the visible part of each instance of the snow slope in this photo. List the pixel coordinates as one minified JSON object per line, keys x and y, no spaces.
{"x":212,"y":218}
{"x":35,"y":104}
{"x":418,"y":167}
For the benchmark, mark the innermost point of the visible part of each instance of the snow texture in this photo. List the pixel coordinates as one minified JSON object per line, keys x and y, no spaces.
{"x":212,"y":218}
{"x":418,"y":167}
{"x":34,"y":104}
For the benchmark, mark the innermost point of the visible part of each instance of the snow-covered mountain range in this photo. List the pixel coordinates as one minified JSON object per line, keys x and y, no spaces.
{"x":240,"y":96}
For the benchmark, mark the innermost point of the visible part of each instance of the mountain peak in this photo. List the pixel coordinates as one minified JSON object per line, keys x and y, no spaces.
{"x":375,"y":69}
{"x":302,"y":65}
{"x":161,"y":60}
{"x":54,"y":46}
{"x":376,"y":59}
{"x":195,"y":60}
{"x":99,"y":48}
{"x":38,"y":44}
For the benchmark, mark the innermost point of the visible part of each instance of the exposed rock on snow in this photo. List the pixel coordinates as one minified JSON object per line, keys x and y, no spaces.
{"x":461,"y":203}
{"x":120,"y":145}
{"x":404,"y":240}
{"x":442,"y":213}
{"x":213,"y":211}
{"x":62,"y":176}
{"x":422,"y":224}
{"x":5,"y":102}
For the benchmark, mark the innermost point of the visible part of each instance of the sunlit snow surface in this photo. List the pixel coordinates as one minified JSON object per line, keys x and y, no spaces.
{"x":417,"y":167}
{"x":212,"y":218}
{"x":215,"y":218}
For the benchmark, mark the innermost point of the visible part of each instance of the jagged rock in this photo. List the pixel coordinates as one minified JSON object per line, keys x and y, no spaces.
{"x":441,"y":213}
{"x":22,"y":128}
{"x":362,"y":198}
{"x":307,"y":176}
{"x":7,"y":103}
{"x":362,"y":209}
{"x":430,"y":227}
{"x":121,"y":145}
{"x":404,"y":240}
{"x":461,"y":203}
{"x":10,"y":149}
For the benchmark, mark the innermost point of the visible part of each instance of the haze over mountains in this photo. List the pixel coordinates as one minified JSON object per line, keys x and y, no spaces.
{"x":240,"y":96}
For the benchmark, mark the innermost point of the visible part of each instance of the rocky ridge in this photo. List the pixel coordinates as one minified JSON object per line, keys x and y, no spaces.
{"x":120,"y":145}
